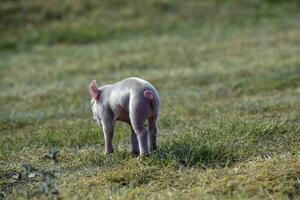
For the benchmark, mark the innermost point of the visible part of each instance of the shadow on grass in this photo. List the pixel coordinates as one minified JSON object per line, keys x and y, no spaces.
{"x":215,"y":144}
{"x":121,"y":169}
{"x":186,"y":151}
{"x":190,"y":151}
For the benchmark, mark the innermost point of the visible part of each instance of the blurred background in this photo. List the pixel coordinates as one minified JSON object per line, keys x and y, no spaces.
{"x":216,"y":48}
{"x":25,"y":24}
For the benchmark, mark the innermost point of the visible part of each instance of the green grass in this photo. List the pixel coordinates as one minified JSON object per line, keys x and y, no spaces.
{"x":228,"y":73}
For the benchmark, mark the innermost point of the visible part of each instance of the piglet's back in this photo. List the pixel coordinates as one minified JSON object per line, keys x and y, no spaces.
{"x":133,"y":86}
{"x":121,"y":92}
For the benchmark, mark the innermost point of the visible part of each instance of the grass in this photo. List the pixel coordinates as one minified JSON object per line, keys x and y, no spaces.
{"x":227,"y":72}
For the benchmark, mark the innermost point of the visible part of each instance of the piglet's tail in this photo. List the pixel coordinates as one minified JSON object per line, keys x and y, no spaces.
{"x":149,"y":95}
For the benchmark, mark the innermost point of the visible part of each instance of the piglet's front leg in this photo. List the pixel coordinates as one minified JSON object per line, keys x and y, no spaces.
{"x":108,"y":131}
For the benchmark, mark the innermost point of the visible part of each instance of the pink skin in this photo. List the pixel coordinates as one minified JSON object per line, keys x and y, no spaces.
{"x":132,"y":101}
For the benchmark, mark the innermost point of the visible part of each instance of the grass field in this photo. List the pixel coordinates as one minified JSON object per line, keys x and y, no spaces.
{"x":228,"y":73}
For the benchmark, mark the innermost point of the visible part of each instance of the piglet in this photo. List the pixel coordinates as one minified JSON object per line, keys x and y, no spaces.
{"x":133,"y":101}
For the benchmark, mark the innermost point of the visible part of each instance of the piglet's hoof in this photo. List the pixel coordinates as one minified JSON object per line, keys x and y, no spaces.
{"x":108,"y":152}
{"x":135,"y":154}
{"x":144,"y":155}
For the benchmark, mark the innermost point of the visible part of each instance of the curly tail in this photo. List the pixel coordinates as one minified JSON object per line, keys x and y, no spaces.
{"x":149,"y":94}
{"x":153,"y":99}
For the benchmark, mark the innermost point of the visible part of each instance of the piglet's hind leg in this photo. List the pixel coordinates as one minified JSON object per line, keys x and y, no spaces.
{"x":139,"y":110}
{"x":141,"y":132}
{"x":134,"y":143}
{"x":152,"y":134}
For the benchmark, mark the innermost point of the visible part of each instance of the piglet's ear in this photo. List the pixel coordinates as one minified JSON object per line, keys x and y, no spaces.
{"x":94,"y":90}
